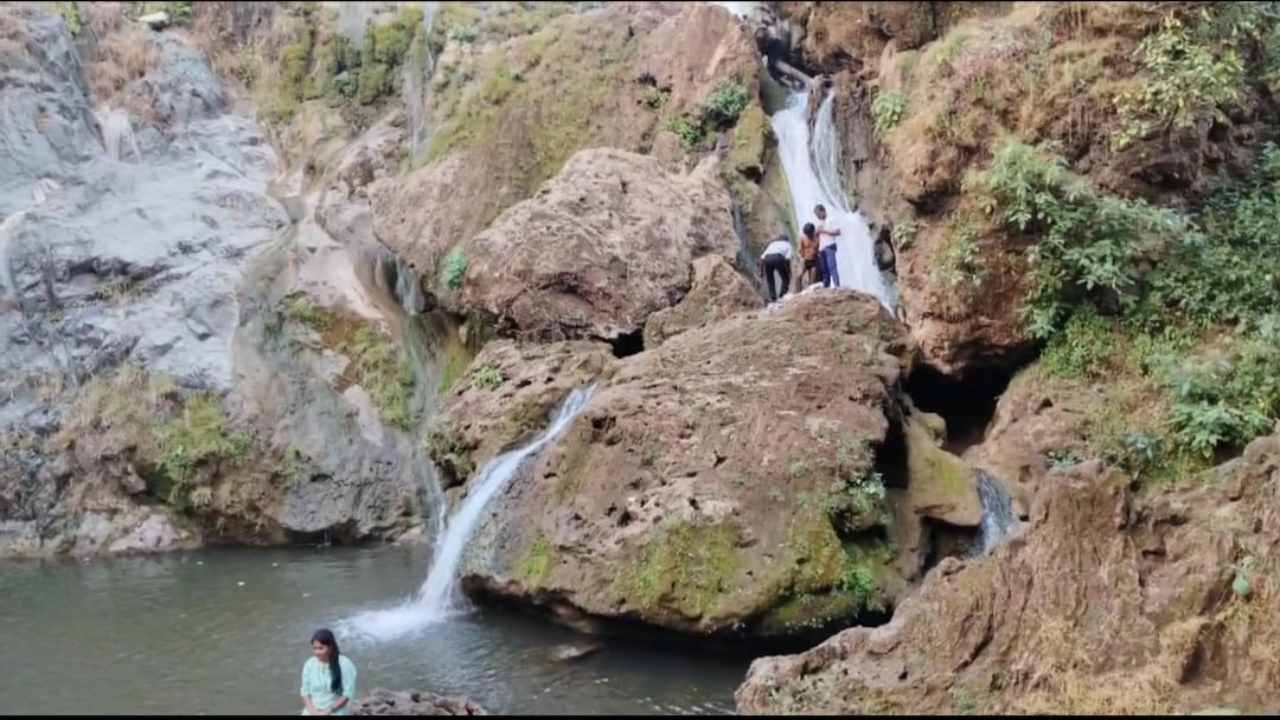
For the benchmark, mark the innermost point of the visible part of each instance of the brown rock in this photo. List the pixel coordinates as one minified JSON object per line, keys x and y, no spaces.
{"x":482,"y":421}
{"x":602,"y":247}
{"x":718,"y":291}
{"x":1079,"y":614}
{"x":388,"y":702}
{"x":701,"y":487}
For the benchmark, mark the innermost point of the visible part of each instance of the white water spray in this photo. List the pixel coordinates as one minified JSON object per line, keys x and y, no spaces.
{"x":813,"y":178}
{"x":439,"y":597}
{"x":117,"y":133}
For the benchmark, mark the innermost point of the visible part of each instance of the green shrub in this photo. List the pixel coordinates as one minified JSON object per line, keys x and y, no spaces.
{"x":199,"y":434}
{"x":1227,"y":400}
{"x":725,"y":104}
{"x":1088,"y":241}
{"x":454,"y":268}
{"x":383,"y":374}
{"x":1083,"y":348}
{"x":959,"y":263}
{"x":689,"y":130}
{"x":886,"y":111}
{"x":486,"y":377}
{"x":465,"y":35}
{"x":70,"y":12}
{"x":903,"y":234}
{"x":1185,"y":83}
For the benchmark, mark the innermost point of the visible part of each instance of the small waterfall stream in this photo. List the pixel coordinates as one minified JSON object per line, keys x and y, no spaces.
{"x":813,"y":177}
{"x":438,"y":597}
{"x":998,"y":520}
{"x":117,"y":133}
{"x":417,"y":80}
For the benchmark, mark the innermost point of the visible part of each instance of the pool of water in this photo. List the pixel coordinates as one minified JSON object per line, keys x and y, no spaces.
{"x":227,"y":631}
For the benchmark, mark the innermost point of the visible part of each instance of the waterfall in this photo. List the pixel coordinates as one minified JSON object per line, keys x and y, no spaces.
{"x":438,"y":598}
{"x":117,"y":133}
{"x":417,"y":79}
{"x":813,"y":177}
{"x":997,"y":513}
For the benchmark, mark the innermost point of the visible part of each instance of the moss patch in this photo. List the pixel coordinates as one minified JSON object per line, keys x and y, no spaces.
{"x":535,"y":565}
{"x":685,"y":568}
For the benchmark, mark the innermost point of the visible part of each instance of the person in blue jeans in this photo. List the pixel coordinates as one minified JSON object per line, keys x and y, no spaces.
{"x":827,"y":235}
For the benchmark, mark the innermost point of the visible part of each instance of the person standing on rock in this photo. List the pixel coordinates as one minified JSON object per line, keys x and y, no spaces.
{"x":826,"y":248}
{"x":328,"y":678}
{"x":776,"y":259}
{"x":809,"y":256}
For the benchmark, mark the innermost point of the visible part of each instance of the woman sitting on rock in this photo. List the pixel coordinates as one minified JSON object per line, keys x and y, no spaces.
{"x":328,"y":678}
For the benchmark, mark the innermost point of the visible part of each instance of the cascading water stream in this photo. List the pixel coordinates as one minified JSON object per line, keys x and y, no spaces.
{"x":998,"y":520}
{"x":813,"y":178}
{"x":117,"y":133}
{"x":438,"y":597}
{"x":418,"y":81}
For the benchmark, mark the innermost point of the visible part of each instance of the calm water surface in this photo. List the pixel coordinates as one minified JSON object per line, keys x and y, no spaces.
{"x":226,"y":631}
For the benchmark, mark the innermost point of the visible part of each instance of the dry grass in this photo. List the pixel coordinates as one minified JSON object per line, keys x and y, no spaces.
{"x":121,"y":57}
{"x":13,"y":34}
{"x":103,"y":18}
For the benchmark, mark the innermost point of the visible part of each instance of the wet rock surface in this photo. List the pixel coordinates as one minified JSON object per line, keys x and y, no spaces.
{"x":1108,"y":602}
{"x":389,"y":702}
{"x":703,"y":488}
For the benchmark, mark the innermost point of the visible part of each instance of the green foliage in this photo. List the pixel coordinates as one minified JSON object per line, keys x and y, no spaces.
{"x":1083,"y":348}
{"x":1243,"y":571}
{"x":180,"y":13}
{"x":689,"y":130}
{"x":1232,"y":273}
{"x":886,"y":111}
{"x":959,"y":263}
{"x":391,"y":40}
{"x":70,"y":12}
{"x":465,"y":35}
{"x":1185,"y":83}
{"x":487,"y":377}
{"x":725,"y":104}
{"x":903,"y":234}
{"x":200,"y":434}
{"x":1089,"y":241}
{"x":383,"y":374}
{"x":858,"y":487}
{"x":859,"y":570}
{"x":302,"y":309}
{"x":656,"y":99}
{"x":454,"y":268}
{"x":1227,"y":400}
{"x":373,"y":82}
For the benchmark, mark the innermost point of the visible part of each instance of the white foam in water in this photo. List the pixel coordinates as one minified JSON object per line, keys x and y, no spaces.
{"x":813,"y":178}
{"x":439,"y":599}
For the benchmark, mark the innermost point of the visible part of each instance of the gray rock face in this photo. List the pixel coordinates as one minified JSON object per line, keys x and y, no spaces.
{"x":153,"y":241}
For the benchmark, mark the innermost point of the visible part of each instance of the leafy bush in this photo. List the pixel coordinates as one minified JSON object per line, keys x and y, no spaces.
{"x":959,"y":263}
{"x":466,"y":35}
{"x":383,"y":374}
{"x":858,"y":487}
{"x":1084,"y":346}
{"x":1227,"y":400}
{"x":455,"y":267}
{"x":688,"y":130}
{"x":903,"y":234}
{"x":1233,"y":274}
{"x":726,"y":103}
{"x":1089,"y":241}
{"x":1185,"y":83}
{"x":486,"y":377}
{"x":886,"y":111}
{"x":199,"y":434}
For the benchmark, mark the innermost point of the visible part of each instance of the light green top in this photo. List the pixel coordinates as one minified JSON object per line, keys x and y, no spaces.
{"x":316,"y":682}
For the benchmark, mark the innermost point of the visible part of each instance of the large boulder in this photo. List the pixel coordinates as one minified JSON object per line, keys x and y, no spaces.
{"x":506,"y":117}
{"x":718,"y":291}
{"x":1107,"y":603}
{"x":598,"y":250}
{"x":720,"y":484}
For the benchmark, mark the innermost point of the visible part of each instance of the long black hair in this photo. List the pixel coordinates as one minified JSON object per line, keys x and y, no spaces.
{"x":326,"y":638}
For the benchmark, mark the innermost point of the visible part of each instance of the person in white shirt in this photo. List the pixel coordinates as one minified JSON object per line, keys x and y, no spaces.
{"x":827,"y":234}
{"x":776,"y":259}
